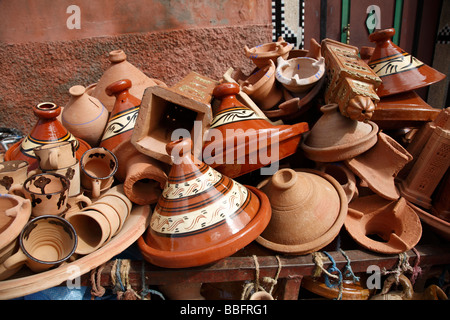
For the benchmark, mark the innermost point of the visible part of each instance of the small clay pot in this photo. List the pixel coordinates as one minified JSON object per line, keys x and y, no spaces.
{"x":382,"y":225}
{"x":308,"y":210}
{"x":262,"y":54}
{"x":335,"y":137}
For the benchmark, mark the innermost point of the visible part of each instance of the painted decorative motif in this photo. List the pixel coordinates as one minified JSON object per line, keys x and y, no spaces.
{"x":120,"y":123}
{"x":29,"y":143}
{"x":235,"y":114}
{"x":207,"y":217}
{"x":395,"y":64}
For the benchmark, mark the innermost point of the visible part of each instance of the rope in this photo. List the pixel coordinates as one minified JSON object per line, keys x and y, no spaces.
{"x":417,"y":270}
{"x":120,"y":280}
{"x":145,"y":289}
{"x":402,"y":266}
{"x":328,"y":273}
{"x":252,"y":287}
{"x":96,"y":288}
{"x":348,"y":272}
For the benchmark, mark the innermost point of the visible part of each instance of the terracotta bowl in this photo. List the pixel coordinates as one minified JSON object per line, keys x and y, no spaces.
{"x":308,"y":210}
{"x":383,"y":225}
{"x":299,"y":74}
{"x":261,"y":54}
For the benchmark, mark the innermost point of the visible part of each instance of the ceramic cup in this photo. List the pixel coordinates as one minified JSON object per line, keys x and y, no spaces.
{"x":92,"y":228}
{"x":44,"y":242}
{"x":56,"y":155}
{"x":110,"y":214}
{"x":118,"y":205}
{"x":72,"y":173}
{"x":12,"y":173}
{"x":48,"y":193}
{"x":119,"y":192}
{"x":77,"y":203}
{"x":98,"y":166}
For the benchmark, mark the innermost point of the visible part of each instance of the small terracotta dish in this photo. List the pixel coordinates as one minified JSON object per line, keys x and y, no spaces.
{"x":299,"y":74}
{"x":382,"y":225}
{"x":261,"y":54}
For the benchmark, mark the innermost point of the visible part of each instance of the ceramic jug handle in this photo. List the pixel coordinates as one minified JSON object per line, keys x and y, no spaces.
{"x":33,"y":172}
{"x":53,"y":159}
{"x":96,"y":188}
{"x":15,"y":260}
{"x":82,"y":198}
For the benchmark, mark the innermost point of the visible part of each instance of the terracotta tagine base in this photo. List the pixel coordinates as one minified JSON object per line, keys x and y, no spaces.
{"x":335,"y":137}
{"x":308,"y":210}
{"x":202,"y":216}
{"x":48,"y":129}
{"x":240,"y":141}
{"x":398,"y":70}
{"x":384,"y":226}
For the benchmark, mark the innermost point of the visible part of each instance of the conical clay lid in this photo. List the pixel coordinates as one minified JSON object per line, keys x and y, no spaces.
{"x":308,"y":210}
{"x":398,"y":70}
{"x":335,"y":137}
{"x":202,"y":215}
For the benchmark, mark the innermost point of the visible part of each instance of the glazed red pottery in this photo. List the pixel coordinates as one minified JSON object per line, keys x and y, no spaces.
{"x":240,"y":141}
{"x":398,"y":70}
{"x":202,"y":215}
{"x":48,"y":129}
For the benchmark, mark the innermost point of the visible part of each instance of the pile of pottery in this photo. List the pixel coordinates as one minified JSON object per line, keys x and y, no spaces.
{"x":286,"y":157}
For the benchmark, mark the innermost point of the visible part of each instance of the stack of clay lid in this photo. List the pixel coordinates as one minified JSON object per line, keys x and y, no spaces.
{"x":308,"y":210}
{"x":48,"y":129}
{"x":261,"y":54}
{"x":383,"y":225}
{"x":119,"y":69}
{"x":401,"y":74}
{"x":202,"y":215}
{"x":335,"y":137}
{"x":240,"y":141}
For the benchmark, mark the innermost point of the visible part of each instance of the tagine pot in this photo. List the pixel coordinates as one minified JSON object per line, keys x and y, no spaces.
{"x":262,"y":54}
{"x":118,"y":69}
{"x":48,"y":129}
{"x":84,"y":116}
{"x":262,"y":87}
{"x":308,"y":210}
{"x":335,"y":137}
{"x":382,"y":225}
{"x":224,"y":147}
{"x":398,"y":70}
{"x":202,"y":215}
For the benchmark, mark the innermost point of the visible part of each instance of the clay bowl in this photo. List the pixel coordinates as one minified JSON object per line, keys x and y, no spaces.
{"x":261,"y":54}
{"x":308,"y":210}
{"x":382,"y":225}
{"x":299,"y":74}
{"x":202,"y":216}
{"x":15,"y":211}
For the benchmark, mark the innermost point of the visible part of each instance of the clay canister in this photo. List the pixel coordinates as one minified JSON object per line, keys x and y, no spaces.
{"x":84,"y":116}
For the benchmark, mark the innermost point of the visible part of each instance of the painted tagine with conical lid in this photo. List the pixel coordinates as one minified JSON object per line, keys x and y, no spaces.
{"x":84,"y":116}
{"x":121,"y":68}
{"x":308,"y":210}
{"x":202,"y":215}
{"x":398,"y":70}
{"x":48,"y":129}
{"x":240,"y":141}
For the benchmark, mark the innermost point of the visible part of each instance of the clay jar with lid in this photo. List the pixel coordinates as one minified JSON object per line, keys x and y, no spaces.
{"x":143,"y":177}
{"x":84,"y":116}
{"x":308,"y":210}
{"x":48,"y":129}
{"x":119,"y":69}
{"x":398,"y":70}
{"x":335,"y":137}
{"x":202,"y":215}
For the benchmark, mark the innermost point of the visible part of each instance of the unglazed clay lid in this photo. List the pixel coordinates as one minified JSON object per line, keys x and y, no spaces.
{"x":383,"y":225}
{"x":202,"y":216}
{"x":398,"y":70}
{"x":379,"y":166}
{"x":335,"y":137}
{"x":308,"y":210}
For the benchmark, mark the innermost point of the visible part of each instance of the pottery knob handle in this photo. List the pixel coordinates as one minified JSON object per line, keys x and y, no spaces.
{"x":284,"y":178}
{"x":46,"y":110}
{"x":118,"y":86}
{"x":179,"y":148}
{"x":116,"y":56}
{"x":382,"y":35}
{"x":77,"y":90}
{"x":226,"y":89}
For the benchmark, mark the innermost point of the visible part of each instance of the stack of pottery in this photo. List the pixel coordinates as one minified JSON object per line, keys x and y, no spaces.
{"x":202,"y":215}
{"x":48,"y":129}
{"x":100,"y":221}
{"x":401,"y":73}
